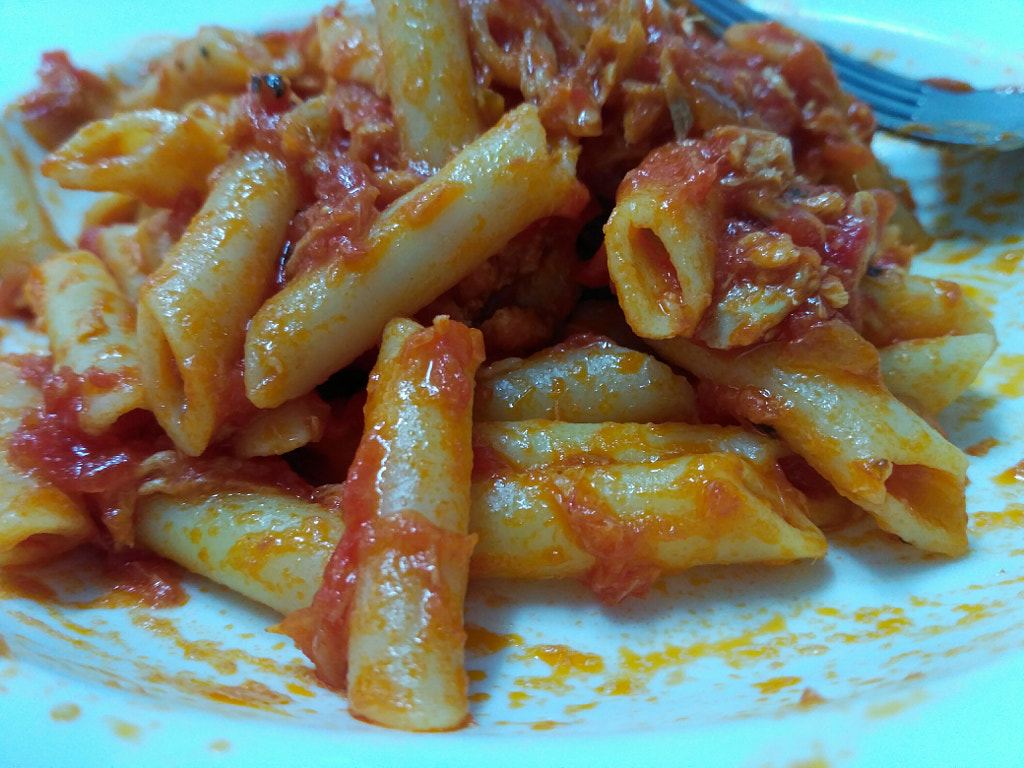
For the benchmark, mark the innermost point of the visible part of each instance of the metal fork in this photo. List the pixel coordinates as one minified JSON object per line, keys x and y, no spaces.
{"x":993,"y":118}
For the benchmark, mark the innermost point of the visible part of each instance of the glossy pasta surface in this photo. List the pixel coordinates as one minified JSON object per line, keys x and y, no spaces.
{"x":608,"y":300}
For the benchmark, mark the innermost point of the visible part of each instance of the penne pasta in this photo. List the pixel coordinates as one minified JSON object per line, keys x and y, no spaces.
{"x":349,"y":46}
{"x":269,"y":546}
{"x":131,"y":252}
{"x":618,"y":526}
{"x":193,"y":311}
{"x":899,"y":307}
{"x":214,"y":61}
{"x":406,"y":552}
{"x":615,"y":524}
{"x":155,"y":156}
{"x":421,"y":246}
{"x":91,"y":327}
{"x":413,"y":562}
{"x":522,"y":446}
{"x":37,"y":521}
{"x":429,"y":76}
{"x":703,"y":342}
{"x":280,"y":430}
{"x":932,"y":373}
{"x":933,"y":339}
{"x":661,"y":242}
{"x":519,"y":446}
{"x":27,"y":235}
{"x":584,"y":379}
{"x":823,"y":395}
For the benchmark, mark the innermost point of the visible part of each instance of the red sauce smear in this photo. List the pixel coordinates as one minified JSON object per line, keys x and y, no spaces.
{"x":143,"y":580}
{"x":624,"y":564}
{"x":67,"y":97}
{"x":949,"y":84}
{"x":51,"y":442}
{"x":439,"y":358}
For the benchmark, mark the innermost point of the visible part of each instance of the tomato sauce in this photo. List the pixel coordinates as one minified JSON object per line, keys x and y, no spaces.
{"x":321,"y":630}
{"x":625,"y":562}
{"x":442,"y":359}
{"x":50,"y":440}
{"x":67,"y":97}
{"x":140,"y":580}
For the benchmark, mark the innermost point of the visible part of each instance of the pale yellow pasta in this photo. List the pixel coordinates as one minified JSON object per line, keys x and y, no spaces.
{"x":91,"y":327}
{"x":933,"y":339}
{"x":269,"y":546}
{"x":587,"y":379}
{"x":215,"y":61}
{"x":194,"y":309}
{"x":131,"y":252}
{"x":279,"y":430}
{"x":349,"y":48}
{"x":620,"y":525}
{"x":429,"y":76}
{"x":153,"y":155}
{"x":37,"y":521}
{"x":898,"y":306}
{"x":931,"y":373}
{"x":520,"y":446}
{"x":408,"y":671}
{"x":279,"y":205}
{"x":27,"y":235}
{"x":671,"y":514}
{"x":517,"y":446}
{"x":421,"y":246}
{"x":661,"y":257}
{"x":823,"y":395}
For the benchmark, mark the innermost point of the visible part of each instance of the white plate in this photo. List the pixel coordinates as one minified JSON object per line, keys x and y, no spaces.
{"x":911,"y":659}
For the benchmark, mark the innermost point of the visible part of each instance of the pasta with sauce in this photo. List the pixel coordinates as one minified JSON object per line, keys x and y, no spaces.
{"x":601,"y":297}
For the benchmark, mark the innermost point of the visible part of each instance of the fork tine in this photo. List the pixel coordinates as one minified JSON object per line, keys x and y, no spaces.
{"x":858,"y":82}
{"x":856,"y":73}
{"x":879,"y":75}
{"x":720,"y":14}
{"x":893,"y":97}
{"x":899,"y":103}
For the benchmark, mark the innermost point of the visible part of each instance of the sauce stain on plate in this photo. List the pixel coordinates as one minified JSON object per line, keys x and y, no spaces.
{"x":66,"y":713}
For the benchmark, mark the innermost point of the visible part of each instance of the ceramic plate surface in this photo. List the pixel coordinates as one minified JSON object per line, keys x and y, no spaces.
{"x":877,"y":655}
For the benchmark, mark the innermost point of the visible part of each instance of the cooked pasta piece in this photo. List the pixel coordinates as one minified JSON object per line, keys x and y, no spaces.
{"x":412,"y":561}
{"x":898,"y":306}
{"x":405,"y":553}
{"x":429,"y":76}
{"x":131,"y":252}
{"x":661,"y":240}
{"x":526,"y":445}
{"x":267,"y":545}
{"x":153,"y":155}
{"x":91,"y":327}
{"x":422,"y":245}
{"x":933,"y":339}
{"x":349,"y":46}
{"x":615,"y":524}
{"x":27,"y":235}
{"x":37,"y":520}
{"x":279,"y":430}
{"x":618,"y":526}
{"x":193,"y":311}
{"x":518,"y":446}
{"x":587,"y":378}
{"x":931,"y":373}
{"x":822,"y":393}
{"x":215,"y":61}
{"x":549,"y":173}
